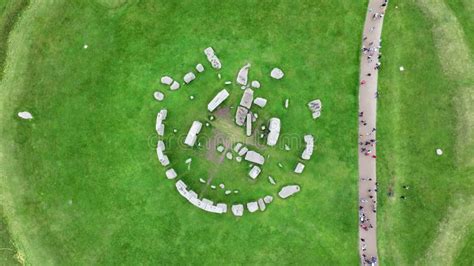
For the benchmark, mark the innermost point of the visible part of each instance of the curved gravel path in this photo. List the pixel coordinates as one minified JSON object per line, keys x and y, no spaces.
{"x":369,"y":64}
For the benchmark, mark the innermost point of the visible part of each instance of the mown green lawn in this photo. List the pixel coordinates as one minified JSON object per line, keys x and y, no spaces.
{"x":421,"y":109}
{"x":82,"y":183}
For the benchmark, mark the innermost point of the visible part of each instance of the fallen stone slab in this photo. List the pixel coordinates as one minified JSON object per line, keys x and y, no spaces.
{"x":287,"y":103}
{"x":242,"y":76}
{"x":25,"y":115}
{"x":240,"y":115}
{"x":171,"y":174}
{"x":254,"y":172}
{"x":212,"y":58}
{"x":189,"y":77}
{"x":252,"y":206}
{"x":222,"y":207}
{"x":288,"y":191}
{"x":202,"y":180}
{"x":192,"y":134}
{"x":249,"y":125}
{"x":277,"y":73}
{"x":217,"y":100}
{"x":238,"y":209}
{"x":166,"y":80}
{"x":228,"y":192}
{"x":299,"y":168}
{"x":254,"y":157}
{"x":274,"y":134}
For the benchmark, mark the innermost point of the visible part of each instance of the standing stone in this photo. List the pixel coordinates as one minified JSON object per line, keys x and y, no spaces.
{"x":254,"y":172}
{"x":277,"y":73}
{"x":240,"y":115}
{"x":220,"y":148}
{"x":299,"y":168}
{"x":261,"y":204}
{"x":229,"y":155}
{"x":159,"y":96}
{"x":308,"y":151}
{"x":243,"y":151}
{"x":252,"y":206}
{"x":255,"y":84}
{"x":189,"y":77}
{"x":261,"y":102}
{"x":315,"y":106}
{"x":199,"y":68}
{"x":242,"y":76}
{"x":171,"y":174}
{"x":238,"y":209}
{"x":268,"y":199}
{"x":166,"y":80}
{"x":237,"y":147}
{"x":249,"y":125}
{"x":174,"y":86}
{"x":247,"y":98}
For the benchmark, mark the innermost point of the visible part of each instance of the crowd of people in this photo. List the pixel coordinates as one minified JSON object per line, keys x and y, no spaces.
{"x":371,"y":45}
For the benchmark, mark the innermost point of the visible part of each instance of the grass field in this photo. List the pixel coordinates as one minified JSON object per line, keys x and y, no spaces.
{"x":427,"y":106}
{"x":82,"y":181}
